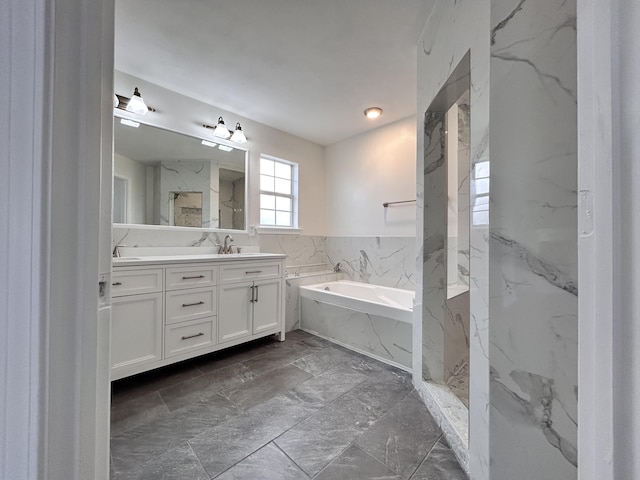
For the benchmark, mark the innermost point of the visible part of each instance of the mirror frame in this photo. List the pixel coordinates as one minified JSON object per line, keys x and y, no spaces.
{"x":121,"y":114}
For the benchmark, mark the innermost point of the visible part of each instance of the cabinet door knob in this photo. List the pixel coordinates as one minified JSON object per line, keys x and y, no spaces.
{"x":192,"y":336}
{"x":193,"y":304}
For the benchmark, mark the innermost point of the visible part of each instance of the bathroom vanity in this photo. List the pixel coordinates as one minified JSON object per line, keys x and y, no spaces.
{"x":170,"y":308}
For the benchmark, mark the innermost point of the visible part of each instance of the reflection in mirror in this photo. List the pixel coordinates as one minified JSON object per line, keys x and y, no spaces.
{"x":166,"y":178}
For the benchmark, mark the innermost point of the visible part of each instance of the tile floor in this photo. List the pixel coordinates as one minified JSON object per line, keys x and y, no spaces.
{"x":300,"y":409}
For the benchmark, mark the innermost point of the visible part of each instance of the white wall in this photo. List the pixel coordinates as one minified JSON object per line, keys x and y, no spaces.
{"x":136,"y":175}
{"x":626,"y":346}
{"x":54,"y":371}
{"x":365,"y":171}
{"x":187,"y":115}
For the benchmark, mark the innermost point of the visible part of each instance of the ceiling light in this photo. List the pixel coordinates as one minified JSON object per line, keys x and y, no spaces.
{"x":209,"y":144}
{"x":373,"y":112}
{"x":224,"y":148}
{"x":221,"y":130}
{"x":136,"y":104}
{"x":238,"y":135}
{"x":129,"y":123}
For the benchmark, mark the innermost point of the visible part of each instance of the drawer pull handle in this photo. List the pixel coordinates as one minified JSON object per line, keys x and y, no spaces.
{"x":192,"y":336}
{"x":257,"y":294}
{"x":193,"y":278}
{"x":116,"y":284}
{"x":252,"y":300}
{"x":253,"y":271}
{"x":193,"y":304}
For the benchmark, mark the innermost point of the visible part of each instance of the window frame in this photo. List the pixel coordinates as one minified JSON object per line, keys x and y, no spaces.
{"x":293,"y":196}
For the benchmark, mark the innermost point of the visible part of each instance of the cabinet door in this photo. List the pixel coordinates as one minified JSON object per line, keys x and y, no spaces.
{"x":234,"y":311}
{"x":136,"y":330}
{"x":267,"y":311}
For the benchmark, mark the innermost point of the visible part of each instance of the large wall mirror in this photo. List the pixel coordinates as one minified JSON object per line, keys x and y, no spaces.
{"x":167,"y":178}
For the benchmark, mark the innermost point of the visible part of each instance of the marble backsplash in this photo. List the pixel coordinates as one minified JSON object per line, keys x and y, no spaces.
{"x":386,"y":261}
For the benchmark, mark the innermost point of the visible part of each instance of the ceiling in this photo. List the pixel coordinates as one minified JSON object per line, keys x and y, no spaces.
{"x":307,"y":67}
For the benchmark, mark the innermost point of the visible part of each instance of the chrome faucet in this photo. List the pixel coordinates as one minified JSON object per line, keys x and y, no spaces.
{"x":226,"y":248}
{"x":116,"y":251}
{"x":338,"y":267}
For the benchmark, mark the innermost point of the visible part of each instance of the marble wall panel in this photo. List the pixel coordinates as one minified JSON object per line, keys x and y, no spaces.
{"x":456,"y":331}
{"x":533,"y":241}
{"x":386,"y":261}
{"x":379,"y":336}
{"x":453,"y":30}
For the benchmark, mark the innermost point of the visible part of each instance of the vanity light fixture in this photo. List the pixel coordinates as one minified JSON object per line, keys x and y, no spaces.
{"x":238,"y":135}
{"x":221,"y":130}
{"x":224,"y":148}
{"x":129,"y":123}
{"x":209,"y":144}
{"x":135,"y":104}
{"x":373,"y":112}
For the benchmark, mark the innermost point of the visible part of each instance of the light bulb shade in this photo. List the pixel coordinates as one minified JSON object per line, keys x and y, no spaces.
{"x":136,"y":104}
{"x":116,"y":102}
{"x":238,"y":135}
{"x":221,"y":130}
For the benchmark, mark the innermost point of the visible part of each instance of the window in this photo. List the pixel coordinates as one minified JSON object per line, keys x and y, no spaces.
{"x":278,"y":192}
{"x":480,"y":206}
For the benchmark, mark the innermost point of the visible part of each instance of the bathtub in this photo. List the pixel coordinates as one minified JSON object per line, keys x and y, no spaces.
{"x":370,"y":319}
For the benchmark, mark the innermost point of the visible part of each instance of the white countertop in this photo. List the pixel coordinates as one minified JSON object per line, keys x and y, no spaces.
{"x":128,"y":261}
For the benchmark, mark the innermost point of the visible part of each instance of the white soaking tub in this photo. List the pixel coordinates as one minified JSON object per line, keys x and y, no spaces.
{"x":370,"y":319}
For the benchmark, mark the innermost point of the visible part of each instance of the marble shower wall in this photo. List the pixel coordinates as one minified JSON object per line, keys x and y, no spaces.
{"x":453,"y":30}
{"x":533,"y":242}
{"x":386,"y":261}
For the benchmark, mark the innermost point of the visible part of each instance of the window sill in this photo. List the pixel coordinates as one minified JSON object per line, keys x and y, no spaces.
{"x":279,"y":230}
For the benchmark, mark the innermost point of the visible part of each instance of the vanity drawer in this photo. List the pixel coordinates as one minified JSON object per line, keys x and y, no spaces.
{"x":136,"y":282}
{"x":182,"y":337}
{"x":250,"y":271}
{"x":187,"y":277}
{"x":183,"y":305}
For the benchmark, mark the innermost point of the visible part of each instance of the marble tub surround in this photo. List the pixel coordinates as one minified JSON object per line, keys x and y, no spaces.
{"x":380,"y":337}
{"x":293,"y":282}
{"x":357,"y":327}
{"x":453,"y":30}
{"x":386,"y":261}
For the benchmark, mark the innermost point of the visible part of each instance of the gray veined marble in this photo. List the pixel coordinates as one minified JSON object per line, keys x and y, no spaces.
{"x":386,"y":261}
{"x":533,"y":241}
{"x":381,"y":337}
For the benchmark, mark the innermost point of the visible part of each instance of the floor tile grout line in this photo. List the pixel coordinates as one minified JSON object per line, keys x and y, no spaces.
{"x":286,"y":455}
{"x":426,"y":456}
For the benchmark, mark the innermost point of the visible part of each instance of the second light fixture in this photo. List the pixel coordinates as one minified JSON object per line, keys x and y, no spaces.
{"x":221,"y":131}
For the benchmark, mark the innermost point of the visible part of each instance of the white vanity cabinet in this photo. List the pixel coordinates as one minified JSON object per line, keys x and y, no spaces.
{"x":165,"y":312}
{"x":190,"y":309}
{"x":136,"y":319}
{"x":250,"y":299}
